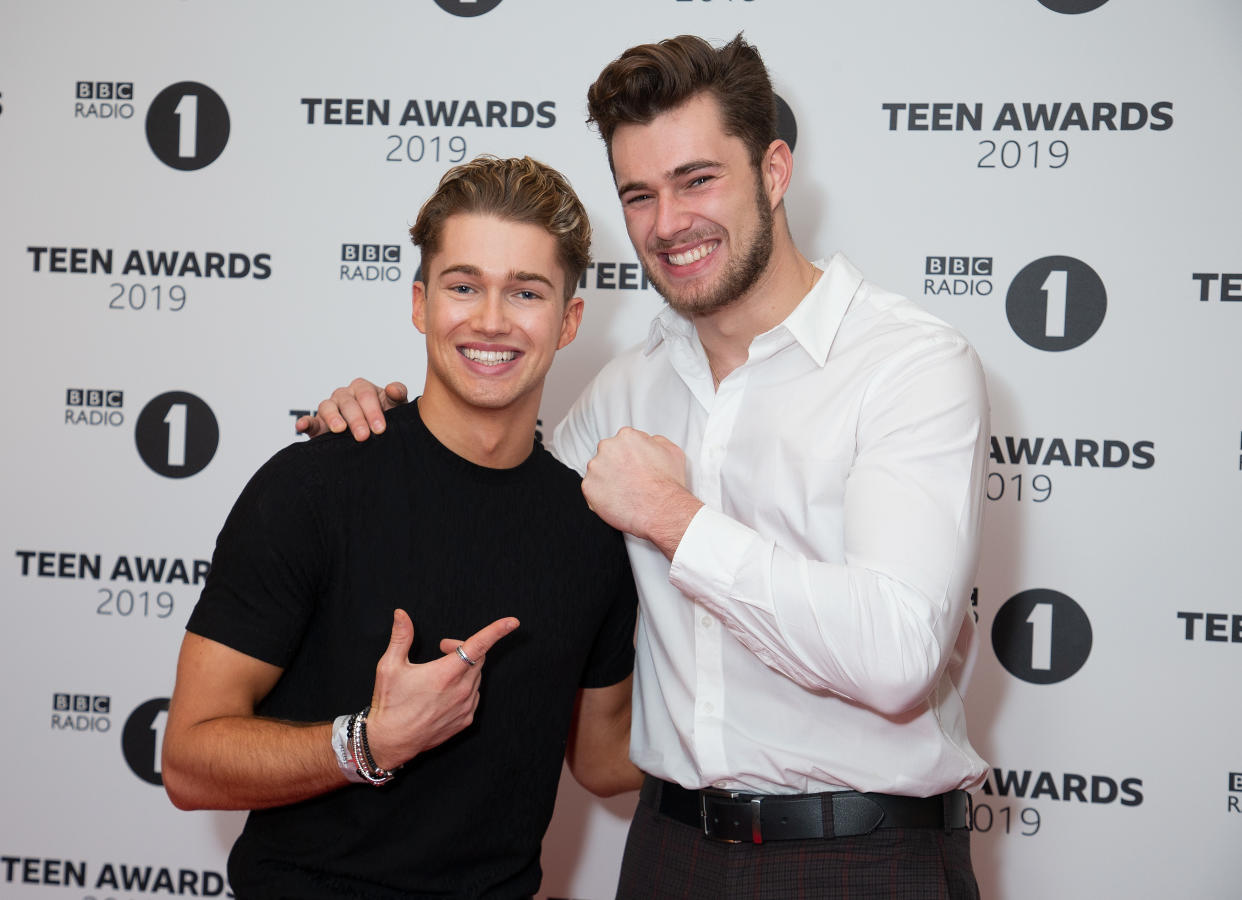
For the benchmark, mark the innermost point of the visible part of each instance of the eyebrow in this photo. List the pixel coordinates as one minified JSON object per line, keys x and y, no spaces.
{"x":684,"y":169}
{"x":513,"y":275}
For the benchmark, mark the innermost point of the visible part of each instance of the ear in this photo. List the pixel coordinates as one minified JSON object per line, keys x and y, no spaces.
{"x":570,"y":321}
{"x":419,"y":306}
{"x":776,"y":169}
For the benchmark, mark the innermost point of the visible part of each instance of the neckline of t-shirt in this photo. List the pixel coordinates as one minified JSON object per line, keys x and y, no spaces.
{"x":481,"y":473}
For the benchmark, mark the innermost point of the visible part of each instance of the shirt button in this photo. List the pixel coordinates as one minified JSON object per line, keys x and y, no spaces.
{"x":706,"y":621}
{"x":709,"y":708}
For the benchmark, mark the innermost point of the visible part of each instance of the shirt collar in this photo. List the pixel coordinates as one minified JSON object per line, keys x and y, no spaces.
{"x":813,"y":323}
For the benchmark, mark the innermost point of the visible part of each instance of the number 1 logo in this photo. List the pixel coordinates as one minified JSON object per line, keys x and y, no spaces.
{"x":1056,"y":303}
{"x":187,"y":126}
{"x":1041,"y":636}
{"x":177,"y":434}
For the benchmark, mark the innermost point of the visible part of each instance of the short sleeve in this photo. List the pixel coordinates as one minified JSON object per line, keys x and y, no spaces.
{"x":268,"y":564}
{"x":612,"y":653}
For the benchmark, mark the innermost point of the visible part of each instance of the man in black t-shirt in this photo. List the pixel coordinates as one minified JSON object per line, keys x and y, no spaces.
{"x":341,"y":562}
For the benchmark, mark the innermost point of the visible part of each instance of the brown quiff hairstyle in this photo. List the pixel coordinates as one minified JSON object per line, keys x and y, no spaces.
{"x":651,"y":79}
{"x":519,"y":190}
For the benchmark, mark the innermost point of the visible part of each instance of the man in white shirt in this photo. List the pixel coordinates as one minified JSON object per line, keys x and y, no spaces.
{"x":797,"y":458}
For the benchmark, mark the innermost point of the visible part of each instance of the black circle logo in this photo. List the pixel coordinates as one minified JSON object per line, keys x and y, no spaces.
{"x":142,"y":739}
{"x":467,"y":8}
{"x":1041,"y":636}
{"x":1056,"y":303}
{"x":786,"y":125}
{"x":177,"y":434}
{"x":1073,"y":7}
{"x":187,"y":126}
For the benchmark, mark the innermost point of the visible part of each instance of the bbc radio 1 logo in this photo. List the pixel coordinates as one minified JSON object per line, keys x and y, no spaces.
{"x":103,"y":100}
{"x":177,"y":434}
{"x":187,"y":126}
{"x":142,"y":740}
{"x":1041,"y":636}
{"x":468,"y":9}
{"x":370,"y":262}
{"x":94,"y":407}
{"x":81,"y":712}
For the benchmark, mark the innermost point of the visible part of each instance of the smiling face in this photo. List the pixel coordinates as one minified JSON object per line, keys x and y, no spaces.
{"x":695,"y":208}
{"x":493,"y":310}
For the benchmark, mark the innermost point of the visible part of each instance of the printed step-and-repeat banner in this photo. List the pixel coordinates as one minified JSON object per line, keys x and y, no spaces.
{"x":204,"y":231}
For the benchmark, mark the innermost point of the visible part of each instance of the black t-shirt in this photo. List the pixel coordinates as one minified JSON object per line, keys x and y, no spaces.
{"x":325,"y":541}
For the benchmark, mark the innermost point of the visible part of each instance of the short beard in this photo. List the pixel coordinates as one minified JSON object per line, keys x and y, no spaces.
{"x":737,"y":279}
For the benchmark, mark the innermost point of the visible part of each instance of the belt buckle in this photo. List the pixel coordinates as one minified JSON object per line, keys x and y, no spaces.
{"x":707,"y":794}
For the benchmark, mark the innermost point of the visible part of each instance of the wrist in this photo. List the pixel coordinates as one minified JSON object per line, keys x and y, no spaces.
{"x":342,"y":749}
{"x":383,"y":754}
{"x":670,"y":518}
{"x":351,"y":746}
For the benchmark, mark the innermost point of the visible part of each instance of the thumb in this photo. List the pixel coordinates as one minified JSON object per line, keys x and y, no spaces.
{"x":402,"y":636}
{"x":395,"y":394}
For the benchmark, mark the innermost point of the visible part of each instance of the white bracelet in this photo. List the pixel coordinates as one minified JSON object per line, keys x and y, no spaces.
{"x":344,"y":752}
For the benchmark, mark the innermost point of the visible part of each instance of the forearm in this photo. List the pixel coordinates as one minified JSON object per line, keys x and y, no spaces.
{"x":857,"y":631}
{"x":245,"y":762}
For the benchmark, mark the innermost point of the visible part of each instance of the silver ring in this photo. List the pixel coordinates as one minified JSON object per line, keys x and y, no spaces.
{"x":464,"y":658}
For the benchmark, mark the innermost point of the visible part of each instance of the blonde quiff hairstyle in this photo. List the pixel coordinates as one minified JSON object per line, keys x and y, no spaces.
{"x":517,"y":190}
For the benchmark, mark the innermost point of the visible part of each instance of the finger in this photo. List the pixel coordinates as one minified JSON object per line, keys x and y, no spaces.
{"x":448,"y":646}
{"x":329,"y":411}
{"x":344,"y":412}
{"x":311,"y":426}
{"x":667,"y":445}
{"x":368,"y":401}
{"x":477,"y":645}
{"x":395,"y":394}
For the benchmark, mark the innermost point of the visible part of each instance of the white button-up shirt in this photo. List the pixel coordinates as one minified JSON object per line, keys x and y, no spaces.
{"x":813,"y":631}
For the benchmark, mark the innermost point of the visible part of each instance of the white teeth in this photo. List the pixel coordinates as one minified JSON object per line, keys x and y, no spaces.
{"x":488,"y":357}
{"x":693,"y":255}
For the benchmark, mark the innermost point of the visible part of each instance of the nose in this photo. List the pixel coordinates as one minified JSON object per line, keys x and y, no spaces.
{"x":489,"y":315}
{"x":672,"y":217}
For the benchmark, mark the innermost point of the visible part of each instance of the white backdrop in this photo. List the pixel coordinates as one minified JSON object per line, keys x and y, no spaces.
{"x":1061,"y":183}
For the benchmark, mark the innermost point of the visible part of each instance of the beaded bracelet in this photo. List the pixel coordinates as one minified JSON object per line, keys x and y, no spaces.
{"x":367,"y":767}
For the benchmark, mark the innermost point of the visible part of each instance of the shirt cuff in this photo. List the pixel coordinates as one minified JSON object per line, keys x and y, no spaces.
{"x":712,"y":554}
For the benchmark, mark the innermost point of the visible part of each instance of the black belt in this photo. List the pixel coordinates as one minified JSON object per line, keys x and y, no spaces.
{"x":754,"y":818}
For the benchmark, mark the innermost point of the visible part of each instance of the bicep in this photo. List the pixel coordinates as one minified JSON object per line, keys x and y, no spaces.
{"x":215,"y":681}
{"x":605,"y":707}
{"x":598,"y":750}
